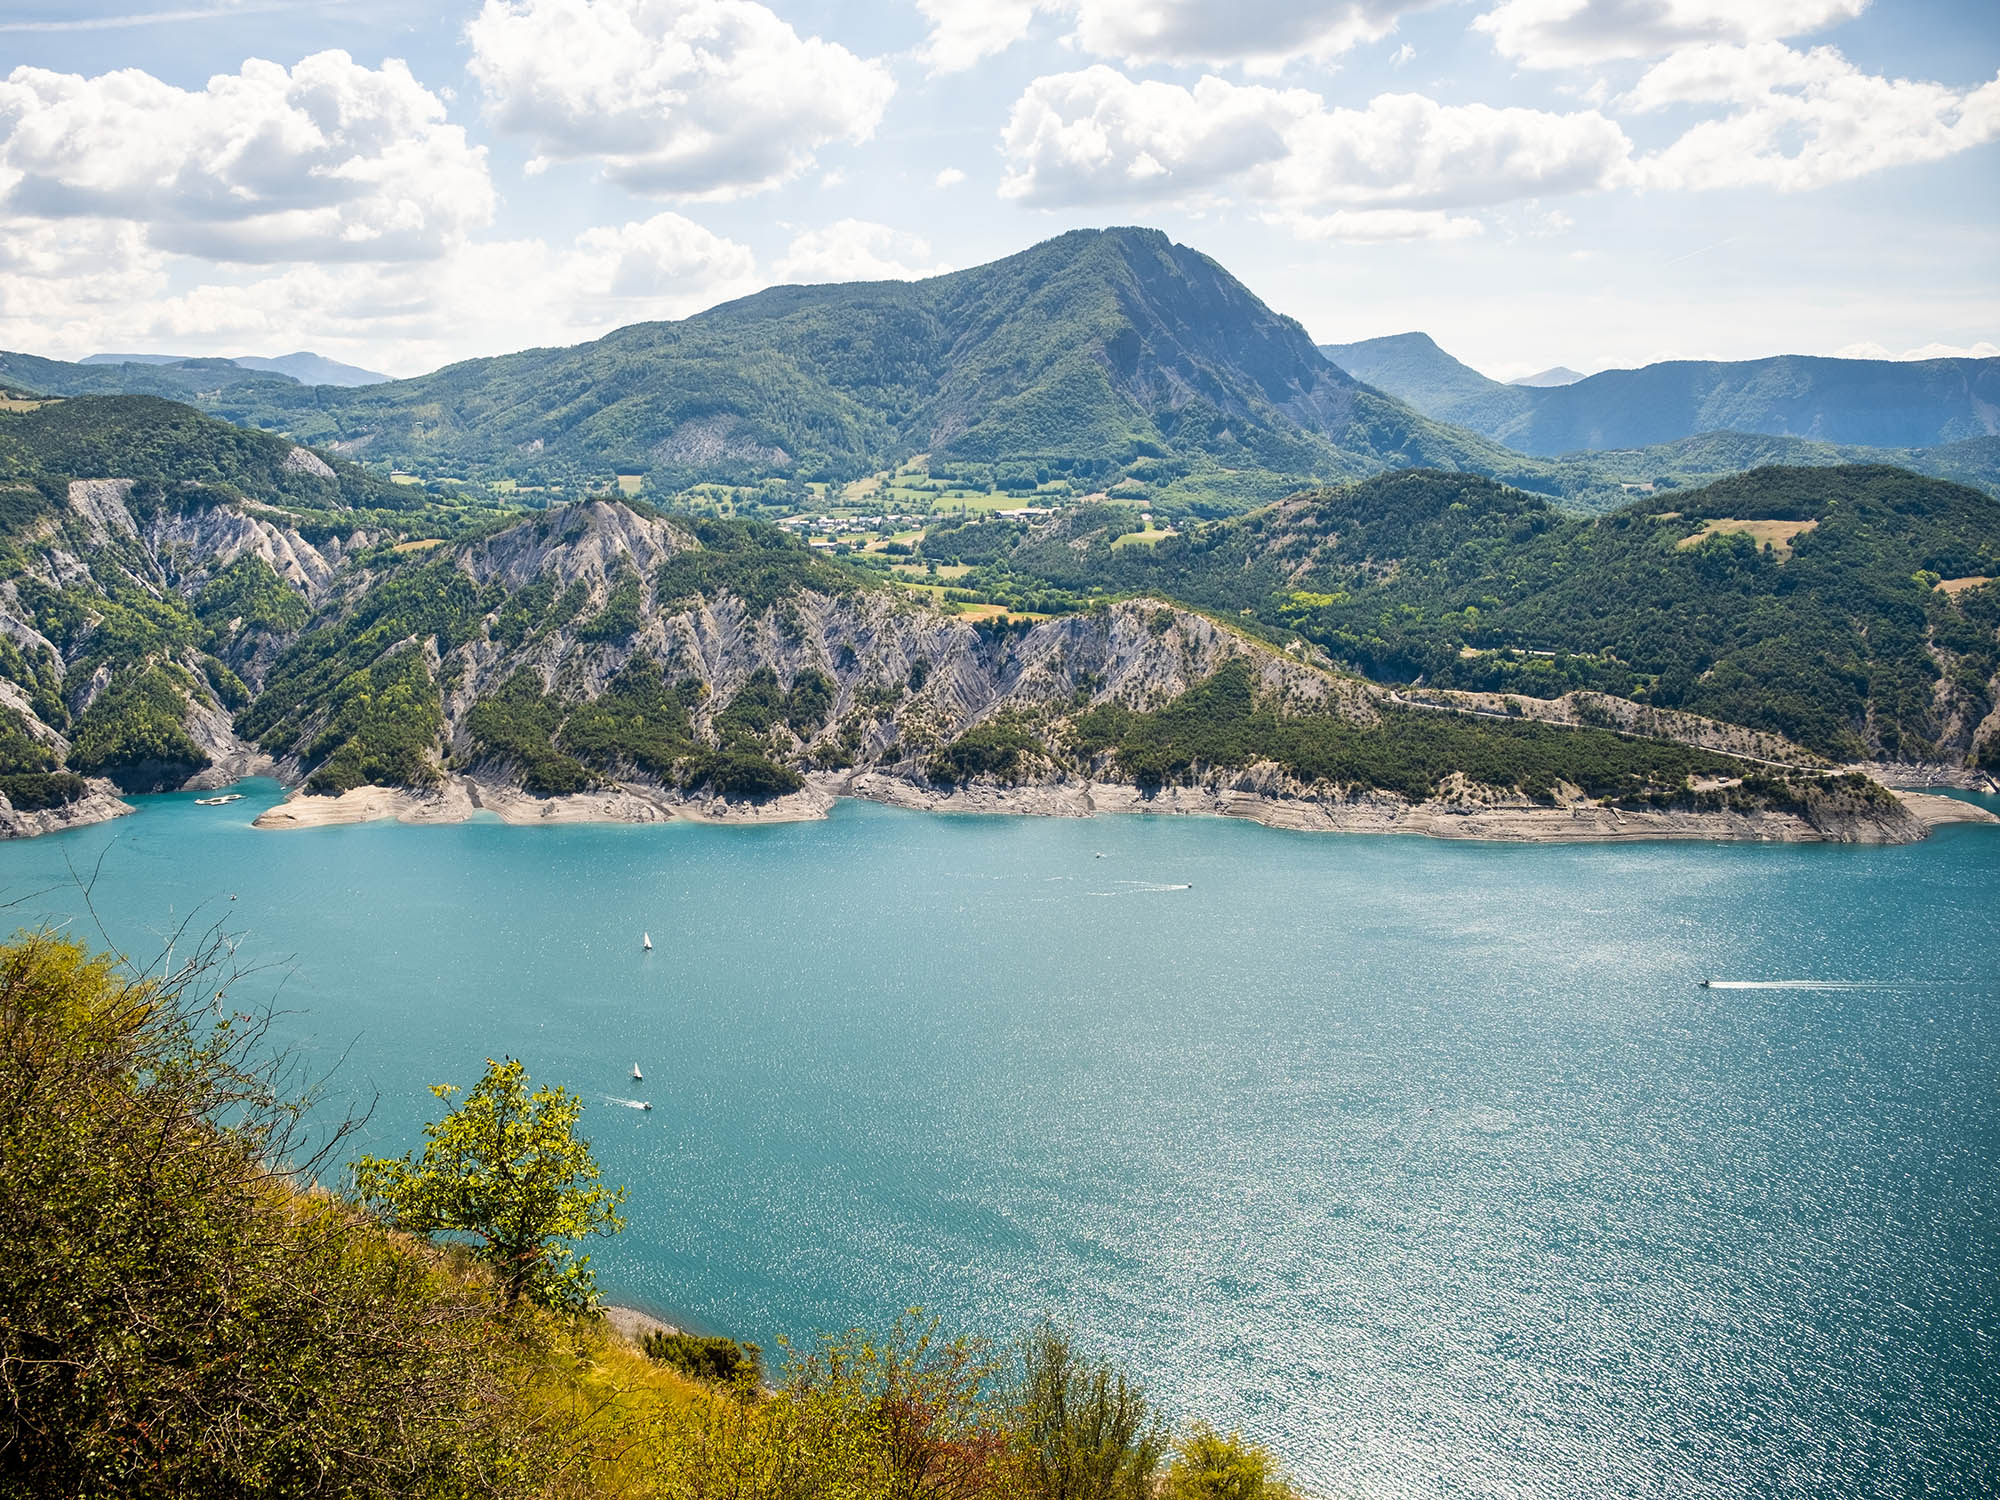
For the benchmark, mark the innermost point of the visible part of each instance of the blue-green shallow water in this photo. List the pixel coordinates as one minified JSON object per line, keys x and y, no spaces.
{"x":1429,"y":1163}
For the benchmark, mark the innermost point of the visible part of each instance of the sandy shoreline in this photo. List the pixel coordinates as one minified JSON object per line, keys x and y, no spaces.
{"x":1516,"y":821}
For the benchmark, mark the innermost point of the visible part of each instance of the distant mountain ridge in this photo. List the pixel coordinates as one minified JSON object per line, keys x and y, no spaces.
{"x":1100,"y":355}
{"x":1873,"y":402}
{"x":1553,"y":375}
{"x":1110,"y":360}
{"x":303,"y":366}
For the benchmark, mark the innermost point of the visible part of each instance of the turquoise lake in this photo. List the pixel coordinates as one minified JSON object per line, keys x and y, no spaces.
{"x":1433,"y":1165}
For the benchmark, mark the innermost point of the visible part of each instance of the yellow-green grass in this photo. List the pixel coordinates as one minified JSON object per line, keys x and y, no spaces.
{"x":631,"y":484}
{"x":1960,"y":585}
{"x":1778,"y":534}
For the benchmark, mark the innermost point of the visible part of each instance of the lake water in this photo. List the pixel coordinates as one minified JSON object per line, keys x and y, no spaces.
{"x":1431,"y":1164}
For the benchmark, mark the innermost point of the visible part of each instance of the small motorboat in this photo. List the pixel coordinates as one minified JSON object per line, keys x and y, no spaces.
{"x":646,"y":941}
{"x":225,"y":798}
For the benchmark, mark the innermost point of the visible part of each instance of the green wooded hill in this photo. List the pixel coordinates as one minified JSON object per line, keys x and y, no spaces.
{"x":154,"y":441}
{"x":1870,"y":402}
{"x":1095,"y":355}
{"x":179,"y":597}
{"x":1829,"y":605}
{"x":212,"y":383}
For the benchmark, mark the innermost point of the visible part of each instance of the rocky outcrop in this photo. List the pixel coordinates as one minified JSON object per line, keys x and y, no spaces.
{"x":99,"y":804}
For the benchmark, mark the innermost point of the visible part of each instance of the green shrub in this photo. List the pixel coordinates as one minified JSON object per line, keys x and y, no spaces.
{"x":183,"y":1318}
{"x":723,"y":1361}
{"x":1084,"y":1429}
{"x":1207,"y":1465}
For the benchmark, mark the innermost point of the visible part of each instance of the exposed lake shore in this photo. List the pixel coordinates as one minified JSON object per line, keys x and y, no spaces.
{"x":1513,"y":820}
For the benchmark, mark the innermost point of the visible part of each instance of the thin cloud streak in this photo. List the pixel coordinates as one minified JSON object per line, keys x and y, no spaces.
{"x":153,"y":17}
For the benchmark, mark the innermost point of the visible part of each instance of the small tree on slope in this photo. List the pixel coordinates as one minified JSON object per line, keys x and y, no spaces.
{"x":506,"y":1169}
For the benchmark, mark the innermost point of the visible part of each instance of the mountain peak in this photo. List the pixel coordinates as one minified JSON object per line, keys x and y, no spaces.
{"x":1554,"y":375}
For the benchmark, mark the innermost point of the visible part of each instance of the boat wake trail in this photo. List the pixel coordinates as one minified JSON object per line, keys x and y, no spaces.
{"x":1142,"y":888}
{"x":1800,"y":984}
{"x":626,"y":1103}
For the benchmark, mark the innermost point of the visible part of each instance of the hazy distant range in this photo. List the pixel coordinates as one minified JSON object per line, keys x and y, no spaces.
{"x":305,"y":367}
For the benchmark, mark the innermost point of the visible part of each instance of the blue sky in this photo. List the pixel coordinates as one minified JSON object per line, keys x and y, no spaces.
{"x":1534,"y":182}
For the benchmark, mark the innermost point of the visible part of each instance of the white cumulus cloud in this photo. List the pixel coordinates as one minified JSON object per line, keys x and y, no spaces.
{"x":857,"y":250}
{"x":1260,"y":35}
{"x":964,"y":31}
{"x":328,"y":159}
{"x":1578,"y":33}
{"x":1097,"y":136}
{"x":404,"y":317}
{"x":1981,"y":350}
{"x":1374,"y":226}
{"x":950,"y":177}
{"x":674,"y":98}
{"x":1801,"y":120}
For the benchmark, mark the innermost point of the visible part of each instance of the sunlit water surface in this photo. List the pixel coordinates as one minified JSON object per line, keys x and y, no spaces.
{"x":1431,"y":1164}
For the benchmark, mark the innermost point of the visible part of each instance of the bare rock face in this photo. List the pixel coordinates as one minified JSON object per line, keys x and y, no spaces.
{"x":192,"y":547}
{"x":588,"y":542}
{"x":98,"y":805}
{"x":305,"y":461}
{"x":101,"y":503}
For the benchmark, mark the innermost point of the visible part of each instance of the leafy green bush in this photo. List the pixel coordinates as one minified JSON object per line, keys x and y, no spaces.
{"x":505,"y":1170}
{"x":182,"y":1316}
{"x":1207,"y":1465}
{"x":723,"y":1361}
{"x":1084,"y":1428}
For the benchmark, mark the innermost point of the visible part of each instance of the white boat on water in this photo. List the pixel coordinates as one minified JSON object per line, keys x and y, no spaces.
{"x":646,"y":941}
{"x":226,"y":797}
{"x":637,"y":1076}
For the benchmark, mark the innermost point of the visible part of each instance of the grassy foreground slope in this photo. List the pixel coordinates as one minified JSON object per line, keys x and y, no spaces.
{"x":1849,"y":609}
{"x":185,"y":1310}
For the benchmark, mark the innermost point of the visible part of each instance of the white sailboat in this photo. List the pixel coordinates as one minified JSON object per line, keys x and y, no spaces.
{"x":646,"y":941}
{"x":637,"y":1076}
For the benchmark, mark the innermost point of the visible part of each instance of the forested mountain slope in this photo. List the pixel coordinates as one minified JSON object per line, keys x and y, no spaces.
{"x":182,"y":601}
{"x":1874,"y":403}
{"x":1848,"y":608}
{"x":219,"y":385}
{"x":1096,"y":354}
